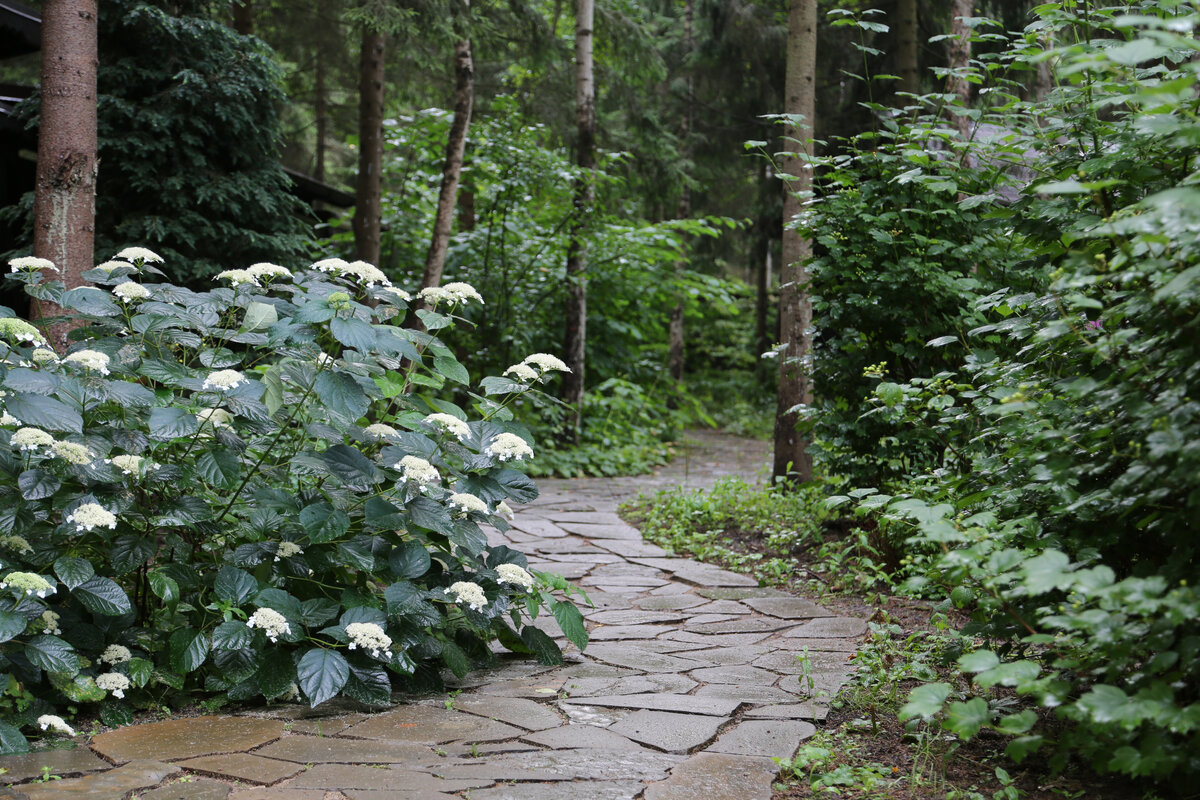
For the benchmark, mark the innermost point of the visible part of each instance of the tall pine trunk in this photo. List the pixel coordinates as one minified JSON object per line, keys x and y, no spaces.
{"x":792,"y":461}
{"x":575,"y":340}
{"x":907,"y":52}
{"x":960,"y":60}
{"x":369,"y":189}
{"x":675,"y":334}
{"x":64,"y":206}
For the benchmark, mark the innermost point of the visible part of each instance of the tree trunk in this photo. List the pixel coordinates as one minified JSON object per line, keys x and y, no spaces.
{"x":243,"y":17}
{"x":322,"y":116}
{"x":907,"y":52}
{"x":369,"y":190}
{"x":960,"y":60}
{"x":456,"y":142}
{"x":574,"y":342}
{"x":792,"y":460}
{"x":64,"y":206}
{"x":675,"y":333}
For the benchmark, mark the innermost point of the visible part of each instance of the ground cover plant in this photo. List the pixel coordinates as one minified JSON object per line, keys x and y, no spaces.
{"x":252,"y":492}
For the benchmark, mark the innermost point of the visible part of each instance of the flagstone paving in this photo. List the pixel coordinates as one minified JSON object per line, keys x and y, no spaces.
{"x":696,"y":680}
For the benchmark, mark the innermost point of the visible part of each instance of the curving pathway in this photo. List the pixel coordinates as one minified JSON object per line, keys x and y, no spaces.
{"x":690,"y":686}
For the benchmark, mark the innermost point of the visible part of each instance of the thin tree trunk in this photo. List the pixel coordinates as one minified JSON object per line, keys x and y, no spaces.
{"x":64,"y":206}
{"x":243,"y":17}
{"x":792,"y":460}
{"x":574,"y":343}
{"x":321,"y":114}
{"x":907,"y":53}
{"x":456,"y":142}
{"x":960,"y":60}
{"x":675,"y":333}
{"x":369,"y":189}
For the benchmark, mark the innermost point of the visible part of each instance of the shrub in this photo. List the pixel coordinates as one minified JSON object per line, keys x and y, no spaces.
{"x":252,"y":492}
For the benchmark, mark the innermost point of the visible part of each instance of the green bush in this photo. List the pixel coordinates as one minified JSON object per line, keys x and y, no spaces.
{"x":253,"y":492}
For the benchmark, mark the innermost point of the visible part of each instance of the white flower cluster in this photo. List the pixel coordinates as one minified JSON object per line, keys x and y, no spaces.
{"x":522,"y":372}
{"x":270,"y":622}
{"x":399,"y":294}
{"x":418,"y":470}
{"x":89,"y":359}
{"x":51,"y":722}
{"x":43,"y":355}
{"x":131,"y":292}
{"x":28,"y":583}
{"x":18,"y":544}
{"x":265,"y":271}
{"x":448,"y":423}
{"x":140,"y":254}
{"x":236,"y":277}
{"x":335,"y":266}
{"x":503,"y":509}
{"x":471,"y":594}
{"x":380,"y":431}
{"x":369,"y":637}
{"x":515,"y":575}
{"x":87,"y":516}
{"x":509,"y":447}
{"x":547,"y":363}
{"x":8,"y":419}
{"x":223,"y":380}
{"x":73,"y":453}
{"x":31,"y":439}
{"x":468,"y":503}
{"x":129,"y":464}
{"x":109,"y":266}
{"x":113,"y":682}
{"x":219,"y":417}
{"x":18,"y":330}
{"x":453,"y":293}
{"x":292,"y":693}
{"x":31,"y":264}
{"x":50,"y":623}
{"x":116,"y":654}
{"x":288,"y":549}
{"x":367,"y":274}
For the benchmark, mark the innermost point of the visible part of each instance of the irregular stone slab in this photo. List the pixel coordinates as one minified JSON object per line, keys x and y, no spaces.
{"x":186,"y":738}
{"x":710,"y":576}
{"x":325,"y":750}
{"x":670,"y":602}
{"x":666,"y":683}
{"x":722,"y":607}
{"x":592,"y":669}
{"x":790,"y":662}
{"x":705,"y":619}
{"x":671,"y":589}
{"x":754,"y":624}
{"x":730,"y":655}
{"x":568,"y":569}
{"x":192,"y":790}
{"x":574,"y":737}
{"x":12,"y":793}
{"x":810,"y":710}
{"x":737,"y":675}
{"x":630,"y":548}
{"x":683,"y":703}
{"x":601,"y":531}
{"x":328,"y":726}
{"x":771,"y":738}
{"x":832,"y":627}
{"x":594,"y":716}
{"x":433,"y":725}
{"x":622,"y":583}
{"x":63,"y":763}
{"x":538,"y":527}
{"x":746,"y":694}
{"x":385,"y":794}
{"x":716,"y":775}
{"x":718,"y":639}
{"x":640,"y":659}
{"x":820,"y":645}
{"x":664,"y":645}
{"x":786,"y":607}
{"x":620,"y":633}
{"x":477,"y":750}
{"x":517,"y":711}
{"x":243,"y":767}
{"x":675,"y":733}
{"x":588,"y":517}
{"x":729,"y":593}
{"x":531,"y":689}
{"x":348,"y":776}
{"x":283,"y":793}
{"x":566,"y":790}
{"x":563,"y":765}
{"x":633,"y":617}
{"x":571,"y":544}
{"x":118,"y":782}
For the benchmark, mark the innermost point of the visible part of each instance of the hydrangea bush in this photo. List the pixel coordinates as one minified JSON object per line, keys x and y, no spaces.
{"x":255,"y":492}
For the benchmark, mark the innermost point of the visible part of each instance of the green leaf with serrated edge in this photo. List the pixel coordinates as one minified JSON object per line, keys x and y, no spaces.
{"x":924,"y":701}
{"x":324,"y":523}
{"x":1021,"y":747}
{"x":139,"y":670}
{"x":232,"y":634}
{"x":342,"y":395}
{"x":234,"y":585}
{"x":978,"y":661}
{"x":1105,"y":704}
{"x":571,"y":622}
{"x":276,"y":673}
{"x":173,"y":423}
{"x":401,"y":596}
{"x":52,"y":654}
{"x":77,"y":688}
{"x":509,"y":638}
{"x":353,"y":333}
{"x":11,"y":625}
{"x":370,"y":685}
{"x":449,"y":367}
{"x":409,"y":560}
{"x":164,"y":587}
{"x":129,"y":552}
{"x":31,"y":381}
{"x":1020,"y":722}
{"x":116,"y":714}
{"x":73,"y":571}
{"x":12,"y":741}
{"x":1013,"y":673}
{"x":357,"y":554}
{"x":321,"y":674}
{"x":44,"y":412}
{"x":259,"y":316}
{"x":273,"y":390}
{"x":965,"y":719}
{"x":102,"y":596}
{"x":544,"y":649}
{"x":219,"y":468}
{"x":351,"y":467}
{"x":91,"y":301}
{"x":189,"y":649}
{"x":430,"y":514}
{"x":379,"y":513}
{"x":455,"y":659}
{"x":519,"y":486}
{"x":318,"y":611}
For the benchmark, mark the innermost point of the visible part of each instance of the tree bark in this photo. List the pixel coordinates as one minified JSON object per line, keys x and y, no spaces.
{"x":64,"y":206}
{"x":792,"y":461}
{"x":675,"y":342}
{"x":575,"y":340}
{"x":960,"y":60}
{"x":369,"y":188}
{"x":243,"y":17}
{"x":907,"y":52}
{"x":321,"y":113}
{"x":456,"y":143}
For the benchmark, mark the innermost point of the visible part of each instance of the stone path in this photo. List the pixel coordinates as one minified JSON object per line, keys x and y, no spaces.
{"x":691,"y":685}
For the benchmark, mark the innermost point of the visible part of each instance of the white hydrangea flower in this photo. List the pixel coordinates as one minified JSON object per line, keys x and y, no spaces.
{"x":128,"y":464}
{"x":113,"y":682}
{"x":52,"y":722}
{"x":547,"y":363}
{"x":49,"y":621}
{"x":334,"y":265}
{"x":453,"y":293}
{"x":514,"y":575}
{"x":219,"y":417}
{"x":236,"y":277}
{"x":31,"y":439}
{"x":504,"y":510}
{"x":380,"y":431}
{"x":288,"y":549}
{"x":140,"y":254}
{"x":270,"y":622}
{"x":89,"y":359}
{"x":467,"y":503}
{"x":131,"y":292}
{"x":522,"y":372}
{"x":109,"y":266}
{"x":267,"y":271}
{"x":91,"y":515}
{"x":450,"y":424}
{"x":292,"y":693}
{"x":368,"y":274}
{"x":73,"y":453}
{"x":471,"y":594}
{"x":223,"y":380}
{"x":116,"y":654}
{"x":18,"y":330}
{"x":16,"y":543}
{"x":28,"y":583}
{"x":8,"y":419}
{"x":44,"y":355}
{"x":509,"y":446}
{"x":324,"y":360}
{"x":31,"y":264}
{"x":394,"y":292}
{"x":369,"y":637}
{"x":418,"y":470}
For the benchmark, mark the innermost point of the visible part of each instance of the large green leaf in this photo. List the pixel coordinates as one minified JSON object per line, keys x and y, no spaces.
{"x":102,"y":595}
{"x":90,"y":300}
{"x":32,"y":381}
{"x":36,"y":484}
{"x":321,"y":674}
{"x":353,"y":333}
{"x":130,"y":551}
{"x":52,"y":654}
{"x":965,"y":719}
{"x":370,"y":685}
{"x":324,"y":523}
{"x":926,"y":700}
{"x":219,"y":467}
{"x":351,"y":467}
{"x":164,"y":587}
{"x":129,"y":394}
{"x":172,"y":423}
{"x":276,"y":673}
{"x":12,"y":741}
{"x":519,"y":486}
{"x":544,"y":649}
{"x":409,"y":560}
{"x":232,"y":634}
{"x":44,"y":412}
{"x":234,"y":585}
{"x":357,"y":554}
{"x":11,"y":625}
{"x":452,"y":369}
{"x":571,"y":622}
{"x":342,"y":395}
{"x":73,"y":571}
{"x":379,"y":513}
{"x":259,"y":316}
{"x":455,"y":659}
{"x":430,"y":514}
{"x":189,"y":649}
